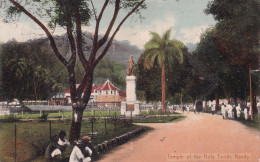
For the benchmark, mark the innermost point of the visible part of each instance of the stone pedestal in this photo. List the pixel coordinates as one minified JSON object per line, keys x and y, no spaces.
{"x":131,"y":105}
{"x":130,"y":89}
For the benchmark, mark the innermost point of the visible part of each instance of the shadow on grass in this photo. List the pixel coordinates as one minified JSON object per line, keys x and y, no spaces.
{"x":255,"y":123}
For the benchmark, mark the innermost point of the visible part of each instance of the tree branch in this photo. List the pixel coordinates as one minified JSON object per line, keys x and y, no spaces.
{"x":94,"y":46}
{"x":50,"y":37}
{"x":82,"y":58}
{"x":102,"y":41}
{"x":71,"y":41}
{"x":82,"y":86}
{"x":93,"y":9}
{"x":115,"y":32}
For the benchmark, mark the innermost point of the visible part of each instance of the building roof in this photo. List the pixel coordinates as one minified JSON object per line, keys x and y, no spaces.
{"x":122,"y":93}
{"x":107,"y":86}
{"x":103,"y":87}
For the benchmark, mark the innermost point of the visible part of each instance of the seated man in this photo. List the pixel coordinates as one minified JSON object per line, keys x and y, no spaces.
{"x":52,"y":151}
{"x":62,"y":144}
{"x":77,"y":154}
{"x":62,"y":141}
{"x":88,"y":146}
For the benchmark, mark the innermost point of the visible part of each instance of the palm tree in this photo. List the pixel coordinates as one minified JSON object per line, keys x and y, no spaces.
{"x":162,"y":51}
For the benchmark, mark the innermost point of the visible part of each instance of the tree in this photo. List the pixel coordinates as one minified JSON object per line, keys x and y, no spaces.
{"x":72,"y":15}
{"x":238,"y":40}
{"x":25,"y":70}
{"x":162,"y":50}
{"x":221,"y":78}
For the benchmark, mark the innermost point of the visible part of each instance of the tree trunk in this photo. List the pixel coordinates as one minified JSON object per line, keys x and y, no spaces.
{"x":217,"y":103}
{"x":79,"y":104}
{"x":163,"y":88}
{"x":75,"y":128}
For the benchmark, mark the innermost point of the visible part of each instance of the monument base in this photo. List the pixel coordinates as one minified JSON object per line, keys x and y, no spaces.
{"x":129,"y":109}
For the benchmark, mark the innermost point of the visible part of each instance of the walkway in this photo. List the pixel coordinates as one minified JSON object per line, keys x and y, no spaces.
{"x":199,"y":137}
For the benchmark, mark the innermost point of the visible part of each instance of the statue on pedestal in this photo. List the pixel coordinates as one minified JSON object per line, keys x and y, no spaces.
{"x":130,"y":69}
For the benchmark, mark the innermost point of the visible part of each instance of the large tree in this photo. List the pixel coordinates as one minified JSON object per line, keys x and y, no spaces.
{"x":162,"y":51}
{"x":237,"y":31}
{"x":72,"y":15}
{"x":221,"y":78}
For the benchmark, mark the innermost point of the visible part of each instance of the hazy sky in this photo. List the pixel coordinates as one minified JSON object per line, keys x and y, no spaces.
{"x":185,"y":17}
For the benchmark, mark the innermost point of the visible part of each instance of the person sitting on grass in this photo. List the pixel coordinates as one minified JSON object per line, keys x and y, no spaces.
{"x":87,"y":148}
{"x":52,"y":152}
{"x":60,"y":145}
{"x":79,"y":152}
{"x":62,"y":141}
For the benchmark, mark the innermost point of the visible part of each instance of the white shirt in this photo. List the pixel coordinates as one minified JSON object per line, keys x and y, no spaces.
{"x":76,"y":154}
{"x":55,"y":152}
{"x":62,"y":143}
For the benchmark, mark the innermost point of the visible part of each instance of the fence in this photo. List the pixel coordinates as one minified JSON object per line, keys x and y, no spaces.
{"x":24,"y":141}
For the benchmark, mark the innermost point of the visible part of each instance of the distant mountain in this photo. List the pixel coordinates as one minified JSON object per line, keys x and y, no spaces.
{"x":119,"y":51}
{"x":191,"y":47}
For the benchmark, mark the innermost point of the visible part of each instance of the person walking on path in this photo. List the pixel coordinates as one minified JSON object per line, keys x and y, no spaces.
{"x":245,"y":113}
{"x":213,"y":110}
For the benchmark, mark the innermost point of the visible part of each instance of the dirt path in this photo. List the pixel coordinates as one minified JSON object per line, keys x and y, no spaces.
{"x":200,"y":137}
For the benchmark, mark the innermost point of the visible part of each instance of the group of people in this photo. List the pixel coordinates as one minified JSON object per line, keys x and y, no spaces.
{"x":83,"y":151}
{"x":233,"y":112}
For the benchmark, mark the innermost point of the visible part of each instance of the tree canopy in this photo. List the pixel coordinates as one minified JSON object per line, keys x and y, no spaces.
{"x":237,"y":30}
{"x":72,"y":15}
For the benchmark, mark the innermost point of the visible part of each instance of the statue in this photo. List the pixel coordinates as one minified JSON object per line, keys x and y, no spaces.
{"x":130,"y":70}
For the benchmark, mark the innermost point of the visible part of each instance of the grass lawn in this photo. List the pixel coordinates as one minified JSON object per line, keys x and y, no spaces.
{"x":68,"y":114}
{"x":160,"y":119}
{"x":34,"y":136}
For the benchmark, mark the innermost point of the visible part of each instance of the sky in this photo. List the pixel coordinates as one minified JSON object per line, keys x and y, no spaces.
{"x":185,"y":18}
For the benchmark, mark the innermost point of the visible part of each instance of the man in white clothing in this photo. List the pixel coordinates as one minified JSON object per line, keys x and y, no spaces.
{"x":77,"y":155}
{"x":238,"y":108}
{"x":63,"y":144}
{"x":245,"y":113}
{"x":229,"y":108}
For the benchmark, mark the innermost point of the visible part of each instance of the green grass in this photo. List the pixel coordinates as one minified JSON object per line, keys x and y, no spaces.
{"x":34,"y":136}
{"x":255,"y":123}
{"x":68,"y":114}
{"x":64,"y":114}
{"x":160,"y":119}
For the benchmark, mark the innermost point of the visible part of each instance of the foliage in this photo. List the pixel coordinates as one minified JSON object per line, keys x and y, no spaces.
{"x":236,"y":31}
{"x":27,"y":68}
{"x":111,"y":70}
{"x":219,"y":77}
{"x":177,"y":70}
{"x":162,"y":51}
{"x":73,"y":15}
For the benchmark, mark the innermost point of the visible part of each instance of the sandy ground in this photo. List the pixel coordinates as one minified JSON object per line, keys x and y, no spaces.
{"x":199,"y":137}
